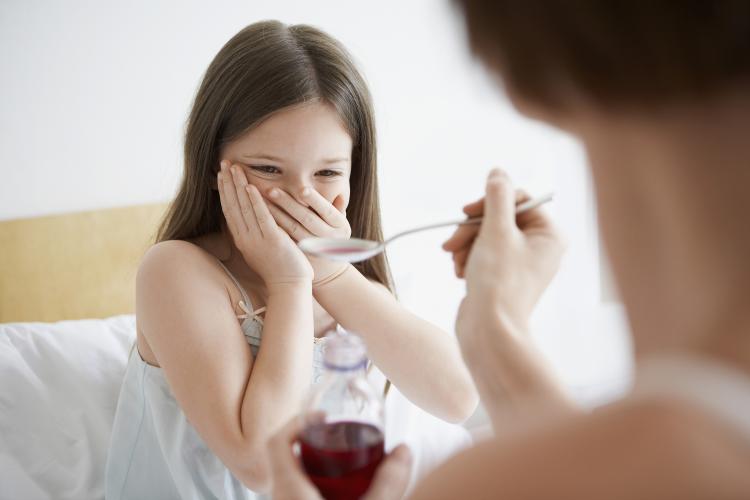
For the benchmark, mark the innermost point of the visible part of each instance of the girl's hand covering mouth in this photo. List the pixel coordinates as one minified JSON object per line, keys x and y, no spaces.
{"x":264,"y":245}
{"x":309,"y":216}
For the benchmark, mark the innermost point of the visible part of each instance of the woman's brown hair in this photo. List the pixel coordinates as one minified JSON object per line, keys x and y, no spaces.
{"x":613,"y":52}
{"x":266,"y":67}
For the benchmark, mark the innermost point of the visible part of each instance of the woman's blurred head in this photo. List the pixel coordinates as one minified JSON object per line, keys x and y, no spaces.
{"x":555,"y":55}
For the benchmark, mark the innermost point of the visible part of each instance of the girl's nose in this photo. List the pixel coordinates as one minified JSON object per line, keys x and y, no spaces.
{"x":296,"y":187}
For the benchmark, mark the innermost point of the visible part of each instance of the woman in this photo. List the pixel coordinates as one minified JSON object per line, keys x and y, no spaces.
{"x":659,"y":94}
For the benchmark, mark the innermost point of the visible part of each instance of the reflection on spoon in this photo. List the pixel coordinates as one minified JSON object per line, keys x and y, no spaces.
{"x":357,"y":250}
{"x":344,"y":250}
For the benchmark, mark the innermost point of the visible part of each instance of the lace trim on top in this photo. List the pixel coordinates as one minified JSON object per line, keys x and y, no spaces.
{"x":249,"y":313}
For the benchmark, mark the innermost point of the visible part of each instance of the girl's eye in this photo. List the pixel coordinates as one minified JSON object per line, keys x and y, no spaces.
{"x":266,"y":169}
{"x":328,"y":173}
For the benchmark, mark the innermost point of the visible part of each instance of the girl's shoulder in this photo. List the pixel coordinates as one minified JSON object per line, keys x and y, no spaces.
{"x":180,"y":249}
{"x":179,"y":263}
{"x":180,"y":283}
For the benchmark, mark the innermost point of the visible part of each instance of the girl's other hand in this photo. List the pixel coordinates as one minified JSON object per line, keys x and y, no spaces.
{"x":311,"y":216}
{"x":266,"y":248}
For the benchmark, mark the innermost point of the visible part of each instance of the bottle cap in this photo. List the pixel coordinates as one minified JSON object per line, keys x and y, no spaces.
{"x":344,"y":351}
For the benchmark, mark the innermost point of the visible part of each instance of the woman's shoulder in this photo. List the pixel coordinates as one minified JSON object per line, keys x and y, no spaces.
{"x":655,"y":448}
{"x":689,"y":448}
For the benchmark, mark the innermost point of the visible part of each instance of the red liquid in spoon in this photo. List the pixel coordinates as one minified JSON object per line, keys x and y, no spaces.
{"x":343,"y":250}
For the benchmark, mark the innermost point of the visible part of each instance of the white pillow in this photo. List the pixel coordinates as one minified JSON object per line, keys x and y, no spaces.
{"x":59,"y":384}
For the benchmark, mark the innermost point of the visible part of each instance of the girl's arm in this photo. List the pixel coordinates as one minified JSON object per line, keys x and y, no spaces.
{"x":189,"y":321}
{"x":190,"y":324}
{"x":420,"y":359}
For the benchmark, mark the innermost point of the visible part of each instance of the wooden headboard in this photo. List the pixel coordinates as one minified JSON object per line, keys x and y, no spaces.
{"x":73,"y":266}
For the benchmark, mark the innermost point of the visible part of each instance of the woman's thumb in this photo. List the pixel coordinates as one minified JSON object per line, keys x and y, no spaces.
{"x":392,"y":477}
{"x":500,"y":201}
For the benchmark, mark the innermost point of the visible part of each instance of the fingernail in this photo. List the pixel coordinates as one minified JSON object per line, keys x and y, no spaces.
{"x":273,"y":193}
{"x":223,"y":165}
{"x":306,"y":192}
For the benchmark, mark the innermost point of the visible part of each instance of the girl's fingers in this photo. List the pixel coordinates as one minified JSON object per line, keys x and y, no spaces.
{"x":305,"y":216}
{"x":340,"y":205}
{"x":246,"y":208}
{"x":293,"y":228}
{"x":264,"y":219}
{"x":323,"y":208}
{"x":229,"y":204}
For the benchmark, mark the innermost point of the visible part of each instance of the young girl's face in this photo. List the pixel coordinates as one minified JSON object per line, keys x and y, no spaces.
{"x":298,"y":147}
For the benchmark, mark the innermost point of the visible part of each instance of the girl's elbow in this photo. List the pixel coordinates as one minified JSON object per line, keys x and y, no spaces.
{"x":462,"y":405}
{"x":255,"y":472}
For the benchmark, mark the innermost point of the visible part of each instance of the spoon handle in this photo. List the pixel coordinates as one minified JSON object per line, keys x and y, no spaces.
{"x":521,"y":208}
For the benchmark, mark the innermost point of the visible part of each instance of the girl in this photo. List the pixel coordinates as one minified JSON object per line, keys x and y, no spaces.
{"x":280,"y":145}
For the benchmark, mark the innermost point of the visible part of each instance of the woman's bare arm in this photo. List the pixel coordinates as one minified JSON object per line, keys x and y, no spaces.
{"x":507,"y":261}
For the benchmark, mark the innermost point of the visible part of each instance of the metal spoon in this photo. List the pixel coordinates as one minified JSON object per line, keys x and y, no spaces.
{"x":356,"y":250}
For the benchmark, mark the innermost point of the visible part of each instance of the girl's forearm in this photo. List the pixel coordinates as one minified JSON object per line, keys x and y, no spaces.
{"x":281,"y":371}
{"x":423,"y":361}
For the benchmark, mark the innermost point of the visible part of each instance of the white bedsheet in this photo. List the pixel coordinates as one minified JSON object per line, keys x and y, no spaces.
{"x":59,"y":384}
{"x":58,"y":390}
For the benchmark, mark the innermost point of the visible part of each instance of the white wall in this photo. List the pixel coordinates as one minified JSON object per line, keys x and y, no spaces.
{"x":94,"y":97}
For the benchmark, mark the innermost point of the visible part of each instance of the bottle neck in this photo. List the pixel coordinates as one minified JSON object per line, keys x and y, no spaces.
{"x":348,"y":369}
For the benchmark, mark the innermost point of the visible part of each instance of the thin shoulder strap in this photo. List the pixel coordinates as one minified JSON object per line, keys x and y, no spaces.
{"x":245,"y":296}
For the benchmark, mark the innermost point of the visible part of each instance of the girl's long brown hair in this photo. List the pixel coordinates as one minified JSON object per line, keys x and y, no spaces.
{"x":266,"y":67}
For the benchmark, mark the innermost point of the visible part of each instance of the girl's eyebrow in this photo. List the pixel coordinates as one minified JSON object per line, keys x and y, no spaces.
{"x":337,"y":160}
{"x":262,"y":157}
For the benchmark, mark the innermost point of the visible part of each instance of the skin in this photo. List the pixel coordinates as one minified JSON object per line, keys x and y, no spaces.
{"x":670,"y":186}
{"x":283,"y":180}
{"x":672,"y":226}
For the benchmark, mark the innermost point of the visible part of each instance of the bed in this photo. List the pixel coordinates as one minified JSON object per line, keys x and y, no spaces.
{"x":66,"y":304}
{"x":66,"y":327}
